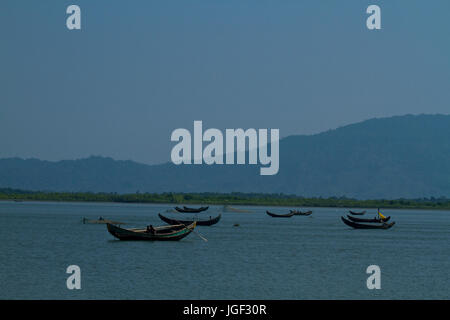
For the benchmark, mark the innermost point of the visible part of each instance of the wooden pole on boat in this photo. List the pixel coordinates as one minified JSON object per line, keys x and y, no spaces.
{"x":203,"y":238}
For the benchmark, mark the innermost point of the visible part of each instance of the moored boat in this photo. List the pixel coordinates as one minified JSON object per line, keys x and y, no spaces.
{"x":227,"y":208}
{"x":357,"y":213}
{"x":355,"y":219}
{"x":356,"y":225}
{"x":163,"y":233}
{"x":101,"y":221}
{"x":276,"y":215}
{"x":299,"y":213}
{"x":191,"y":210}
{"x":208,"y":222}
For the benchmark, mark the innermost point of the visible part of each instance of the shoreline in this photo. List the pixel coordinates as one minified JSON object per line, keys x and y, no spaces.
{"x":243,"y":200}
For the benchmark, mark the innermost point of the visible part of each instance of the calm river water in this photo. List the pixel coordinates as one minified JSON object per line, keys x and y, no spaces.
{"x":315,"y":257}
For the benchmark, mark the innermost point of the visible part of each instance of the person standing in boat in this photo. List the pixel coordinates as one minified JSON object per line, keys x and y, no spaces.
{"x":150,"y":229}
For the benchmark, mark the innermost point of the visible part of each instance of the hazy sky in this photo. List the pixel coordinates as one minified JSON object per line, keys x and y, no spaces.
{"x":140,"y":69}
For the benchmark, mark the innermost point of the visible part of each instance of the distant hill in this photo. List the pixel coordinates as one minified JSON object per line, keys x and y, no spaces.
{"x":403,"y":156}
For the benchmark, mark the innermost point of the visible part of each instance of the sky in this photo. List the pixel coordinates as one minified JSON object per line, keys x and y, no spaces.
{"x":137,"y":70}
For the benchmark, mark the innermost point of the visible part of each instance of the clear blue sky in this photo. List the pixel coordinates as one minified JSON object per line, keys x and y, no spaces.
{"x":140,"y":69}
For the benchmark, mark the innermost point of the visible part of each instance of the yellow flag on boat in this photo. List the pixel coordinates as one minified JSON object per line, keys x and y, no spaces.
{"x":380,"y":215}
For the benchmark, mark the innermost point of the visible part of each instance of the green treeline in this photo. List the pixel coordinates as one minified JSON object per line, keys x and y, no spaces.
{"x":225,"y":199}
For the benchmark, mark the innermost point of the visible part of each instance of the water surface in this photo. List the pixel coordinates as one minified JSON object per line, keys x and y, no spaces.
{"x":315,"y":257}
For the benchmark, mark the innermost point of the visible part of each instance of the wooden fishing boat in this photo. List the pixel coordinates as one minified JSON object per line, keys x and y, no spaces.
{"x":209,"y":222}
{"x":354,"y":219}
{"x":356,"y":225}
{"x":163,"y":233}
{"x":275,"y":215}
{"x":227,"y":208}
{"x":299,"y":213}
{"x":101,"y":221}
{"x":357,"y":213}
{"x":191,"y":210}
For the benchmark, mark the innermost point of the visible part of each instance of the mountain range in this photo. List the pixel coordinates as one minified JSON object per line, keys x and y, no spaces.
{"x":382,"y":158}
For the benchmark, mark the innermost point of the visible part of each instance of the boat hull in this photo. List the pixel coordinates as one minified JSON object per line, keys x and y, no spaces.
{"x":357,"y":213}
{"x":275,"y":215}
{"x":374,"y":220}
{"x":191,"y":210}
{"x":103,"y":221}
{"x":168,"y":234}
{"x":367,"y":226}
{"x":299,"y":213}
{"x":187,"y":222}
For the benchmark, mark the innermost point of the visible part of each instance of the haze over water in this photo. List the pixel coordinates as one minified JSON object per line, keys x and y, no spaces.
{"x":315,"y":257}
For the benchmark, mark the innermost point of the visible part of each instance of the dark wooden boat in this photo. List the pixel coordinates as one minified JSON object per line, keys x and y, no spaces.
{"x":275,"y":215}
{"x":163,"y":233}
{"x":379,"y":220}
{"x":191,"y":210}
{"x":101,"y":221}
{"x":357,"y":213}
{"x":209,"y":222}
{"x":356,"y":225}
{"x":299,"y":213}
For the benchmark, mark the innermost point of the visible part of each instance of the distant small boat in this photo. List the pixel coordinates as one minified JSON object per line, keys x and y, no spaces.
{"x":209,"y":222}
{"x":101,"y":221}
{"x":163,"y":233}
{"x":357,"y":213}
{"x":355,"y":225}
{"x":227,"y":208}
{"x":354,"y":219}
{"x":299,"y":213}
{"x":191,"y":210}
{"x":275,"y":215}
